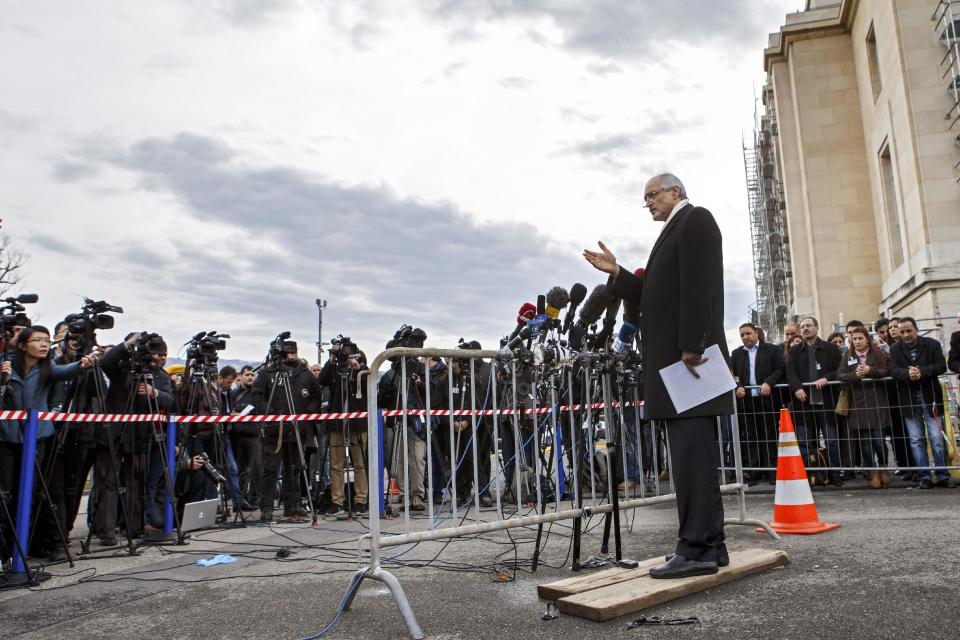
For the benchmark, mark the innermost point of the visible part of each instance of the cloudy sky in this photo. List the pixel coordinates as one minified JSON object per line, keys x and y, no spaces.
{"x":220,"y":164}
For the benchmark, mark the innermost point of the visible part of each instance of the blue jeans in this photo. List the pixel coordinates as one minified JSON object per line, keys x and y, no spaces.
{"x":155,"y":505}
{"x":919,"y":437}
{"x":632,"y":447}
{"x":810,"y":420}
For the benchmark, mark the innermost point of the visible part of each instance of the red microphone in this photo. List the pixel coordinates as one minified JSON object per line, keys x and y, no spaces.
{"x":527,"y":312}
{"x":640,"y":272}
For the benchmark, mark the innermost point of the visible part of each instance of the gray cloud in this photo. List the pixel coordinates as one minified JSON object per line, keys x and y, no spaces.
{"x":622,"y":30}
{"x":516,"y":82}
{"x":69,"y":171}
{"x":247,"y":13}
{"x":380,"y":259}
{"x":613,"y":150}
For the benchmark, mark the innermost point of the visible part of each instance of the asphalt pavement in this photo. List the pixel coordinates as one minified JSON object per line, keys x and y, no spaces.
{"x":890,"y":571}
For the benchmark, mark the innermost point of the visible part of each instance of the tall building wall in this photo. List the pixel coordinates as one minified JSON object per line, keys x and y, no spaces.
{"x":867,"y":159}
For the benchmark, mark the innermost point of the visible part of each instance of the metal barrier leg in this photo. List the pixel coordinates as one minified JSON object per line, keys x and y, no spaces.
{"x":395,"y":590}
{"x":742,"y":490}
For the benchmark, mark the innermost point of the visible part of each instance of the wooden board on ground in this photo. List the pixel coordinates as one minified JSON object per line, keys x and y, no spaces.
{"x":642,"y":592}
{"x":595,"y":580}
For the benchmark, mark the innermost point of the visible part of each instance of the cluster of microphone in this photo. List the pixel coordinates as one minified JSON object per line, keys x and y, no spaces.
{"x":591,"y":330}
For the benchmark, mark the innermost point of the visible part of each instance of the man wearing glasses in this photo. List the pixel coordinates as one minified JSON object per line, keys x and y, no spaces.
{"x":681,"y":298}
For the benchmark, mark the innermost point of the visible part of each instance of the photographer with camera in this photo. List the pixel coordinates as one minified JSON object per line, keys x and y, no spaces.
{"x":284,"y":387}
{"x":138,"y":385}
{"x":28,"y":382}
{"x":390,"y":395}
{"x":471,"y":391}
{"x":340,"y":374}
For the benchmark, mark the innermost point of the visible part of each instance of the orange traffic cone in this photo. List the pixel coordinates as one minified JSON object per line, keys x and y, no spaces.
{"x":793,"y":507}
{"x":392,"y":489}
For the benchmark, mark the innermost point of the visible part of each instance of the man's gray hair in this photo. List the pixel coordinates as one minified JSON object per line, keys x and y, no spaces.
{"x":668,"y":181}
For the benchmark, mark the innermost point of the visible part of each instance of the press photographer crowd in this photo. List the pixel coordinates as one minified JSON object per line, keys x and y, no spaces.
{"x":865,"y":402}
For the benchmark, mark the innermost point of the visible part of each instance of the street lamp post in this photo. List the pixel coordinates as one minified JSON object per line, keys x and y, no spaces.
{"x":321,"y":305}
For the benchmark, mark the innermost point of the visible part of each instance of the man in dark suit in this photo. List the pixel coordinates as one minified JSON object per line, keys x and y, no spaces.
{"x":810,"y":368}
{"x":758,"y":366}
{"x":681,"y":301}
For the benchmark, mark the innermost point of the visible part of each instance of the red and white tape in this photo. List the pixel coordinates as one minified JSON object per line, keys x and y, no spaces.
{"x":56,"y":416}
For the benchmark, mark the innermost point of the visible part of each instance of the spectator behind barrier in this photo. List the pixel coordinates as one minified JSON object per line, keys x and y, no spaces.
{"x":815,"y":361}
{"x":868,"y":415}
{"x":916,"y":364}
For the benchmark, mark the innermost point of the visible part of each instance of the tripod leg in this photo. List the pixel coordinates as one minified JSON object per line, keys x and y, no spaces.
{"x":54,"y":511}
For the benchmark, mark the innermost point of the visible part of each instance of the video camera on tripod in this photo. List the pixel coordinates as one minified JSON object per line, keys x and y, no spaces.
{"x":342,"y":351}
{"x":12,"y":314}
{"x":280,"y":348}
{"x":203,"y":348}
{"x":142,"y":351}
{"x":82,"y":326}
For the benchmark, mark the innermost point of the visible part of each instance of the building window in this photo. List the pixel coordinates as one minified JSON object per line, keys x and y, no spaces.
{"x":892,"y":210}
{"x":874,"y":61}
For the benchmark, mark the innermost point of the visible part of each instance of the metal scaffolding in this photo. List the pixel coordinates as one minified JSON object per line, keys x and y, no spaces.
{"x":770,"y":240}
{"x":946,"y":21}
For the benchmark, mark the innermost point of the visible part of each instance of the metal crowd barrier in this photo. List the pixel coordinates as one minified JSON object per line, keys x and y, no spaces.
{"x":874,"y":435}
{"x":552,"y":465}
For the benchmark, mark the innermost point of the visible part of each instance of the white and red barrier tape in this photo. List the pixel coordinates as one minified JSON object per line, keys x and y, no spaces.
{"x":315,"y":417}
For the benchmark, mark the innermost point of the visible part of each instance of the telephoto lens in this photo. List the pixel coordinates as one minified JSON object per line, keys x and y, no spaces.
{"x":210,"y":470}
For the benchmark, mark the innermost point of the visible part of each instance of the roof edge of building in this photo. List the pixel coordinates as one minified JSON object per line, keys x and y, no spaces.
{"x":806,"y":25}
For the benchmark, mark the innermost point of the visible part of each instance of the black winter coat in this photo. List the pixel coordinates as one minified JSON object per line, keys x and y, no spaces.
{"x":828,"y":356}
{"x":304,"y":393}
{"x":681,"y":301}
{"x":953,"y":358}
{"x":868,"y":398}
{"x":136,"y":435}
{"x":341,"y":388}
{"x":931,"y":363}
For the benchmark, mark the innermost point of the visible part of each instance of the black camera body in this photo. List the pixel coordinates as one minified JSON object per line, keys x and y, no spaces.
{"x":12,"y":314}
{"x":203,"y":349}
{"x":408,"y":337}
{"x":280,"y":348}
{"x":82,"y":327}
{"x":346,"y":349}
{"x":143,"y":350}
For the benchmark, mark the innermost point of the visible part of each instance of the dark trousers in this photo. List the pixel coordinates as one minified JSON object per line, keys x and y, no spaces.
{"x":249,"y":464}
{"x":758,"y":432}
{"x":289,"y":457}
{"x":694,"y":456}
{"x":106,"y":492}
{"x":45,"y":534}
{"x":465,"y":453}
{"x":78,"y":458}
{"x":812,"y":420}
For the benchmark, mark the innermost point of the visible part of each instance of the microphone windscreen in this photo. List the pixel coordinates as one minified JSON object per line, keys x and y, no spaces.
{"x":640,"y":272}
{"x":27,"y":298}
{"x":577,"y":293}
{"x":627,"y":332}
{"x":595,"y":304}
{"x":541,"y":304}
{"x":285,"y":335}
{"x":526,"y":313}
{"x":557,"y":299}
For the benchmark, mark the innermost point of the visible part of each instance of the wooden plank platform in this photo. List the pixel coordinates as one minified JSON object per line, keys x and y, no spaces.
{"x":619,"y":592}
{"x":595,"y":580}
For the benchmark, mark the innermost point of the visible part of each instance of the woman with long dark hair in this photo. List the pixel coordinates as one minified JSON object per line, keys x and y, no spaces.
{"x":28,"y":382}
{"x":862,"y":364}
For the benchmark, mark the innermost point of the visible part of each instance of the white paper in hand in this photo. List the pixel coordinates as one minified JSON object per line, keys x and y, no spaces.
{"x":687,"y":391}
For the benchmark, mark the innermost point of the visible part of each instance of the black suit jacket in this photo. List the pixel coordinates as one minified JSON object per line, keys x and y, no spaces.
{"x":827,"y":355}
{"x":681,"y":301}
{"x":953,"y":359}
{"x":769,"y":364}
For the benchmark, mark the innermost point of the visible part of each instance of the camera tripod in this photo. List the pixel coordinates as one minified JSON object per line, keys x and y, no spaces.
{"x":200,"y":395}
{"x":115,"y":466}
{"x":150,"y":406}
{"x":281,"y":381}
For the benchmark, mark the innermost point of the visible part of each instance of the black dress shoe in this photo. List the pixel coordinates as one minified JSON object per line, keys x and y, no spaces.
{"x":723,"y":558}
{"x":681,"y":567}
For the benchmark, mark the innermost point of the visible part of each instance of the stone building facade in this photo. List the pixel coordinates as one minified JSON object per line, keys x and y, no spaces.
{"x":863,"y":114}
